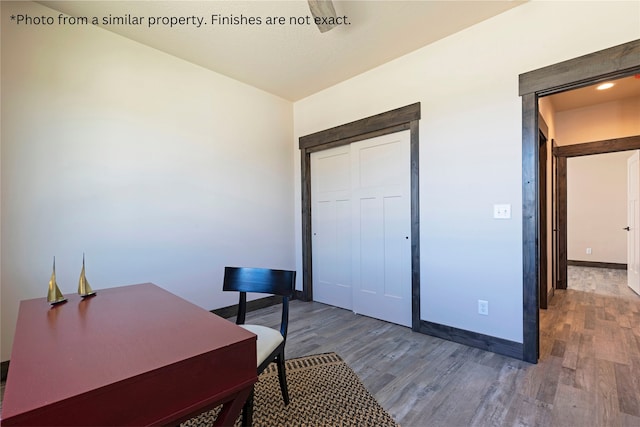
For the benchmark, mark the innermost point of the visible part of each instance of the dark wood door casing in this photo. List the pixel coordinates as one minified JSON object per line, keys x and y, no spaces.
{"x":561,"y":195}
{"x":404,"y":118}
{"x":554,"y":218}
{"x":542,"y":241}
{"x":616,"y":62}
{"x":576,"y":150}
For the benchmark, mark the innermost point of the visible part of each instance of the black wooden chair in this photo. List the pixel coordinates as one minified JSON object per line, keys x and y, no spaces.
{"x":271,"y":342}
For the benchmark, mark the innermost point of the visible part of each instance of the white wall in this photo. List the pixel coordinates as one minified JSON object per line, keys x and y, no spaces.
{"x":597,"y":185}
{"x":597,"y":207}
{"x":162,"y":171}
{"x":470,"y":145}
{"x":159,"y":170}
{"x":616,"y":119}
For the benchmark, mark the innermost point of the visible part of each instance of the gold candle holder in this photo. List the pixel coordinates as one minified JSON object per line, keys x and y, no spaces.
{"x":84,"y":289}
{"x":54,"y":296}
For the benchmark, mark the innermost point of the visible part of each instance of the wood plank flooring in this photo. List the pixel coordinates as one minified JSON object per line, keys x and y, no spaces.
{"x":588,"y":373}
{"x":602,"y":281}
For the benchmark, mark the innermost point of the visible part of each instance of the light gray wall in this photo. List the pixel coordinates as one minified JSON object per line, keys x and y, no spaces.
{"x":597,"y":185}
{"x":597,"y":207}
{"x":157,"y":169}
{"x":147,"y":164}
{"x":470,"y":145}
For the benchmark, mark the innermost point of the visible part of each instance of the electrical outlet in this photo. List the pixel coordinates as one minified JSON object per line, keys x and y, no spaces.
{"x":502,"y":211}
{"x":483,"y":307}
{"x":588,"y":251}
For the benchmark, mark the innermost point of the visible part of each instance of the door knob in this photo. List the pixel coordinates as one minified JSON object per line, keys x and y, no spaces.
{"x":627,"y":228}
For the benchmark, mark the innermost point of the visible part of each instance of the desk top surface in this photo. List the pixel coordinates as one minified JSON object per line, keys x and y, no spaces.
{"x":82,"y":345}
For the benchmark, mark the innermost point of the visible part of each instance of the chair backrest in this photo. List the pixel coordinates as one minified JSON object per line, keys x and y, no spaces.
{"x":261,"y":280}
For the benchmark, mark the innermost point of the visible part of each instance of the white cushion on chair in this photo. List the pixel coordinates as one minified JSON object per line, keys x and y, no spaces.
{"x":268,"y":340}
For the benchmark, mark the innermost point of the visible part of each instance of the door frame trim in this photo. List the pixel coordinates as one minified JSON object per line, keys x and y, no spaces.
{"x":544,"y":236}
{"x":554,"y":218}
{"x":563,"y":152}
{"x":616,"y":62}
{"x":599,"y":147}
{"x":403,"y":118}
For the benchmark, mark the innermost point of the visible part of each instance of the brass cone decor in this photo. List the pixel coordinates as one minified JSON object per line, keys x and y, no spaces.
{"x":84,"y":289}
{"x":54,"y":296}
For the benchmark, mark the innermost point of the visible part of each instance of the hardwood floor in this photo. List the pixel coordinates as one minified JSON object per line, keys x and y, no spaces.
{"x":603,"y":281}
{"x":588,"y":373}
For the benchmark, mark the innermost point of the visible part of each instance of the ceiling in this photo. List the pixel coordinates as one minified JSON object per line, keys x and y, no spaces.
{"x":628,"y":87}
{"x":292,"y":61}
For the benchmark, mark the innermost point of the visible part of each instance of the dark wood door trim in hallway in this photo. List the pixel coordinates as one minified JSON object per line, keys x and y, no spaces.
{"x":599,"y":147}
{"x":615,"y":62}
{"x":543,"y":241}
{"x":562,"y":153}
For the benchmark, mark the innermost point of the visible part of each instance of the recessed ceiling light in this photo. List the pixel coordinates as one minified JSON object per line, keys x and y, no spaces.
{"x":604,"y":86}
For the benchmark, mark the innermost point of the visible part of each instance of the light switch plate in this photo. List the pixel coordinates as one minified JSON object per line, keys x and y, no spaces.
{"x":502,"y":211}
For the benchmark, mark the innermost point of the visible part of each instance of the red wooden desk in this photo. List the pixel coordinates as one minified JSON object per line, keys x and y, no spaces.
{"x":133,"y":355}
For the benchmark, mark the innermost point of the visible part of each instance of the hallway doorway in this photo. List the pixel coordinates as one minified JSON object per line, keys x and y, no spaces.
{"x":615,"y":62}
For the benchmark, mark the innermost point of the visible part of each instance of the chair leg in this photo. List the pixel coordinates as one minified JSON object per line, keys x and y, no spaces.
{"x":282,"y":376}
